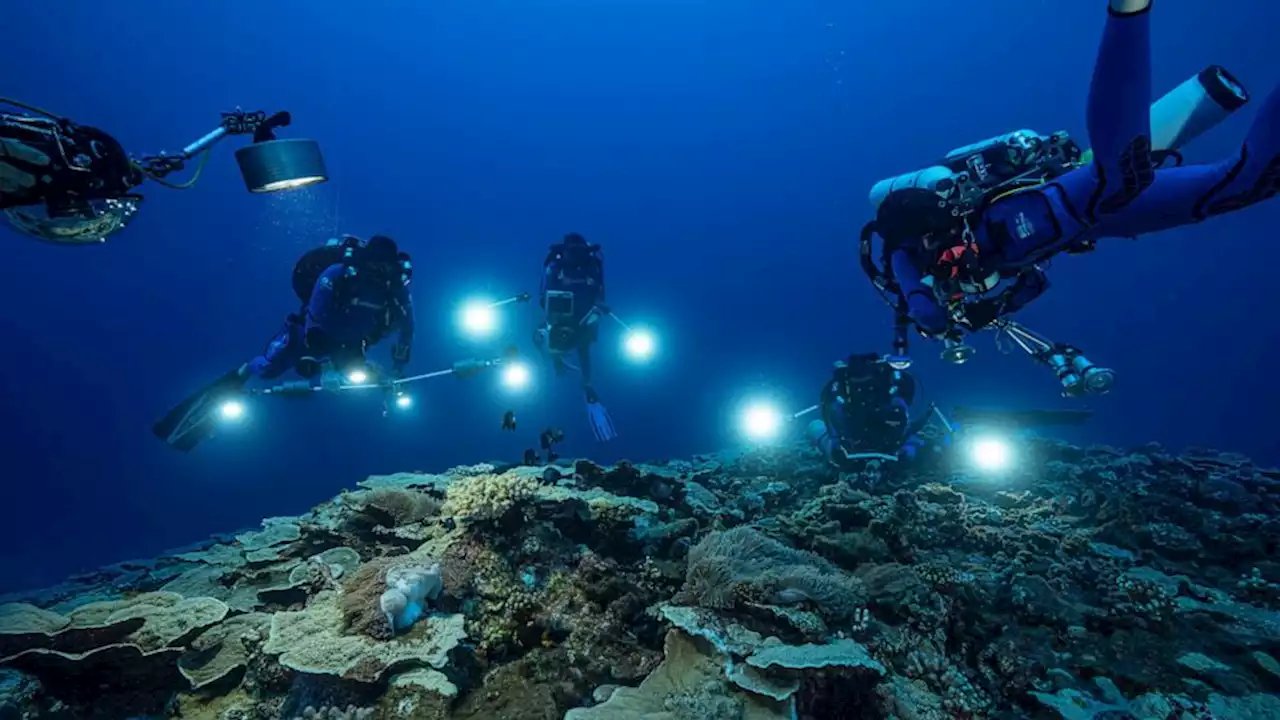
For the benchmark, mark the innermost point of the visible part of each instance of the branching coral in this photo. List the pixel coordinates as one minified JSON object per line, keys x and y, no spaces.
{"x":1136,"y":598}
{"x":1256,"y":588}
{"x":943,"y":577}
{"x":351,"y":712}
{"x":488,"y":497}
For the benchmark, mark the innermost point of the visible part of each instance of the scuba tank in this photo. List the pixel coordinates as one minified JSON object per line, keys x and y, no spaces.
{"x":308,"y":268}
{"x":1195,"y":107}
{"x":967,"y":174}
{"x":345,"y":250}
{"x":965,"y":177}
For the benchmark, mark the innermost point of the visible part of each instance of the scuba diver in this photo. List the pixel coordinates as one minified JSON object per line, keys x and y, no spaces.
{"x":572,"y":299}
{"x":965,"y":242}
{"x":865,"y":413}
{"x":353,"y":294}
{"x":74,"y":184}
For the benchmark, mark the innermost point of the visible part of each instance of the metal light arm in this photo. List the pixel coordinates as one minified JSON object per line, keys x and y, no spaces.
{"x":1031,"y":342}
{"x":236,"y":122}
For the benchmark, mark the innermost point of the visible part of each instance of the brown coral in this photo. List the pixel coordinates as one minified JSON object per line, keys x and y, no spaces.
{"x":462,"y":563}
{"x":741,"y":564}
{"x":360,"y":593}
{"x":394,"y":507}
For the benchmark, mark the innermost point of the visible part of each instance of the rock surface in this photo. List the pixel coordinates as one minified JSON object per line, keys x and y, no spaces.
{"x":1089,"y":583}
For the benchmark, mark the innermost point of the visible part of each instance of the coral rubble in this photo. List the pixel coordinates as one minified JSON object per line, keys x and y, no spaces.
{"x":1089,"y":583}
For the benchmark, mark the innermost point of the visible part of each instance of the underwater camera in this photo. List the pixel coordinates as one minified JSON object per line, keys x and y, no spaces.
{"x":562,"y":338}
{"x":559,"y":304}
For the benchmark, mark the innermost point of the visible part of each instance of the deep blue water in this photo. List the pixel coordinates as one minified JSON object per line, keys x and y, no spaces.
{"x":720,"y":151}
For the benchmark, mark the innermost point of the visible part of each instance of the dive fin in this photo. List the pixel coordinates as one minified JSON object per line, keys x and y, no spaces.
{"x":191,"y":420}
{"x":601,"y":423}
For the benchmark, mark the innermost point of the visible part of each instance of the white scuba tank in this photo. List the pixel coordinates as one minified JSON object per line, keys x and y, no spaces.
{"x":965,"y":174}
{"x":1194,"y":107}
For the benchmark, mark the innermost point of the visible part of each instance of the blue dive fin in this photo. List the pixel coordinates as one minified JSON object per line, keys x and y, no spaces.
{"x":601,"y":423}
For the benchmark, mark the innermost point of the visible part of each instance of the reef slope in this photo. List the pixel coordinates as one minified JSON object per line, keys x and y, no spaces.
{"x":1087,"y":583}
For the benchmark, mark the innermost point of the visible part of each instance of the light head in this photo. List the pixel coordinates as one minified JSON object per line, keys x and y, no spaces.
{"x":516,"y":376}
{"x":478,"y":319}
{"x":991,"y":454}
{"x":761,"y":422}
{"x":640,"y":345}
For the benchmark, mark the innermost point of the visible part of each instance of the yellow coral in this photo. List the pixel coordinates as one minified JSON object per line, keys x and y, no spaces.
{"x":488,"y":497}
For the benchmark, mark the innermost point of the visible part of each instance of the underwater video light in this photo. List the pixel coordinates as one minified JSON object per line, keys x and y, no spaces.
{"x":404,"y":402}
{"x":267,"y":165}
{"x":357,"y":377}
{"x":231,"y":410}
{"x":277,"y":165}
{"x":270,"y":165}
{"x":761,"y":421}
{"x":478,"y":318}
{"x":991,"y":454}
{"x":516,"y":376}
{"x":639,"y":344}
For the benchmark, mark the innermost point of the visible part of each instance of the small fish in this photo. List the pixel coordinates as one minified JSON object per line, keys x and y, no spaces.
{"x":509,"y":420}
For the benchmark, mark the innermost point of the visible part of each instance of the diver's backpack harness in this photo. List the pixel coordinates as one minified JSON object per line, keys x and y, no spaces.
{"x":347,"y":251}
{"x":962,"y":184}
{"x":587,"y":258}
{"x":966,"y":181}
{"x":884,"y":388}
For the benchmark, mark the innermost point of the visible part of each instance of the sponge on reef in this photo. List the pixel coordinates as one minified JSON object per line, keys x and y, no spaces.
{"x":408,"y":590}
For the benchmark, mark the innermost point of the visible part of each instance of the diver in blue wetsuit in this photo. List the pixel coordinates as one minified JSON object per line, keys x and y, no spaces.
{"x":353,"y":295}
{"x":866,"y":413}
{"x":965,"y":241}
{"x":572,"y":298}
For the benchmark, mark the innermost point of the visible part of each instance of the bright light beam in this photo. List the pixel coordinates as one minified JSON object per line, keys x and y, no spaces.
{"x":640,"y":345}
{"x":991,"y":455}
{"x":516,"y":376}
{"x":231,"y":410}
{"x":761,"y":422}
{"x":479,"y":319}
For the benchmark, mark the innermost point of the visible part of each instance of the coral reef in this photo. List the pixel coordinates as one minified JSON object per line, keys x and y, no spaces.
{"x":1089,"y":583}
